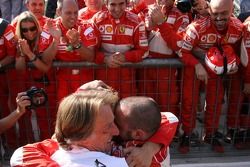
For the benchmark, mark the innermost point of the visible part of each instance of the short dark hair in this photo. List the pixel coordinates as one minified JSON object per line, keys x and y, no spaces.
{"x":144,"y":113}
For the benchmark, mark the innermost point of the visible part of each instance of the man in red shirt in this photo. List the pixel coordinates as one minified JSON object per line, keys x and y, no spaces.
{"x":217,"y":30}
{"x":129,"y":114}
{"x":77,"y":43}
{"x":238,"y":121}
{"x":92,"y":7}
{"x":36,"y":7}
{"x":161,"y":83}
{"x":122,"y":39}
{"x":7,"y":56}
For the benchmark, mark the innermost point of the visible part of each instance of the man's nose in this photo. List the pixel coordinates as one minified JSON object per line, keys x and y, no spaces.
{"x":114,"y":130}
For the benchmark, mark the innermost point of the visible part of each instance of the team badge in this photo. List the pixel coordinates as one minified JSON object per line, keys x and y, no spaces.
{"x":122,"y":29}
{"x":109,"y":29}
{"x":203,"y":38}
{"x":211,"y":38}
{"x":101,"y":28}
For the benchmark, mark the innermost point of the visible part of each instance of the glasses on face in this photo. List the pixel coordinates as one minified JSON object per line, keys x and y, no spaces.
{"x":25,"y":30}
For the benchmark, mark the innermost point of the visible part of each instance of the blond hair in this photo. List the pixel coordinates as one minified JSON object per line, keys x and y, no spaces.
{"x":77,"y":115}
{"x":26,"y":17}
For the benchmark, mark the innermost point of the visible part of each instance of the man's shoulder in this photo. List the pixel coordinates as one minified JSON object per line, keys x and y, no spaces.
{"x":132,"y":17}
{"x":83,"y":11}
{"x":200,"y":25}
{"x":100,"y":16}
{"x":236,"y":24}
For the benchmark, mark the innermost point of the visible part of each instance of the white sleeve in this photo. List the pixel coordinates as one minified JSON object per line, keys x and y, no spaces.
{"x":17,"y":157}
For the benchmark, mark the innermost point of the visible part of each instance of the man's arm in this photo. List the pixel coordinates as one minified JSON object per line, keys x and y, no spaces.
{"x":155,"y":149}
{"x":22,"y":101}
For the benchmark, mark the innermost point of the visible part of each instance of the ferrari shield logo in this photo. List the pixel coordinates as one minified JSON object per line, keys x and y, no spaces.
{"x":122,"y":29}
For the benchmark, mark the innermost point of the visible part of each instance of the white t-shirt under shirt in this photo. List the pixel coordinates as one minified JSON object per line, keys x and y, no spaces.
{"x":82,"y":157}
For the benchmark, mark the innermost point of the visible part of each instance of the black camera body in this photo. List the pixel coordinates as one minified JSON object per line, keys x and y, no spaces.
{"x":37,"y":96}
{"x":184,"y":5}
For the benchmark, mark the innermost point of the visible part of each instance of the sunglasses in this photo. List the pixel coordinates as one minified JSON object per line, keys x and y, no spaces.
{"x":24,"y":30}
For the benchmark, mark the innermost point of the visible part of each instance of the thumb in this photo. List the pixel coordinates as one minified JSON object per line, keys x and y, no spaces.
{"x":206,"y":79}
{"x":79,"y":29}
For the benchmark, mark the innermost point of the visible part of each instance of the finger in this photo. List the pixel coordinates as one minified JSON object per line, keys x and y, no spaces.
{"x":127,"y":150}
{"x":131,"y":163}
{"x":102,"y":84}
{"x":205,"y":79}
{"x":79,"y":29}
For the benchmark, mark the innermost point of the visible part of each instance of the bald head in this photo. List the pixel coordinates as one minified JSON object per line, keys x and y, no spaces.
{"x":220,"y":4}
{"x":68,"y":11}
{"x":220,"y":12}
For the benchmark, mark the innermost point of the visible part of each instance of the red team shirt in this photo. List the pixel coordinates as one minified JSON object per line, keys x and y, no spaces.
{"x":201,"y":35}
{"x":7,"y":42}
{"x":126,"y":35}
{"x":88,"y":38}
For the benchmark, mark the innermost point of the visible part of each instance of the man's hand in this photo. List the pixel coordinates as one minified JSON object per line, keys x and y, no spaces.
{"x":73,"y":36}
{"x":201,"y":73}
{"x":96,"y":84}
{"x":141,"y":156}
{"x":22,"y":101}
{"x":115,"y":60}
{"x":246,"y":89}
{"x":233,"y":69}
{"x":137,"y":157}
{"x":156,"y":15}
{"x":54,"y":30}
{"x":134,"y":3}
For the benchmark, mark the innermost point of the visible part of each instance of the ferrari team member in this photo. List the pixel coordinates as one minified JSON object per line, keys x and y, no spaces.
{"x":122,"y":39}
{"x":7,"y":56}
{"x":238,"y":122}
{"x":131,"y":110}
{"x":218,"y":29}
{"x":161,"y":83}
{"x":77,"y":43}
{"x":36,"y":7}
{"x":92,"y":7}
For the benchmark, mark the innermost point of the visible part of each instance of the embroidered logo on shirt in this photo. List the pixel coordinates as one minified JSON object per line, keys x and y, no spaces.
{"x":99,"y":164}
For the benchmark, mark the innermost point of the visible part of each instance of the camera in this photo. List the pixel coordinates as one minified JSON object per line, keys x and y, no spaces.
{"x":184,"y":5}
{"x":37,"y":96}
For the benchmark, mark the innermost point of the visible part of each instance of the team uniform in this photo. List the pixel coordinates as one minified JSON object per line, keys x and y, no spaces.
{"x":48,"y":152}
{"x":7,"y":48}
{"x":200,"y":36}
{"x":125,"y":35}
{"x":161,"y":83}
{"x":69,"y":79}
{"x":164,"y":136}
{"x":236,"y":97}
{"x":86,"y":14}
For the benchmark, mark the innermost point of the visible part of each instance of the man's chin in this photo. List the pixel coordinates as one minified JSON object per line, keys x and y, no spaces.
{"x":221,"y":28}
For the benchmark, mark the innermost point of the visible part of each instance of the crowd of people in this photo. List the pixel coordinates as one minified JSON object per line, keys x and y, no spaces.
{"x":211,"y":42}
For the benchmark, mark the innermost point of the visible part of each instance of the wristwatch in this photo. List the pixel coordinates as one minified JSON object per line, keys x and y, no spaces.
{"x":33,"y":59}
{"x":78,"y":46}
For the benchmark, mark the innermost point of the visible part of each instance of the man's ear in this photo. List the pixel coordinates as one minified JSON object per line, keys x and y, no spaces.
{"x":138,"y":134}
{"x":58,"y":12}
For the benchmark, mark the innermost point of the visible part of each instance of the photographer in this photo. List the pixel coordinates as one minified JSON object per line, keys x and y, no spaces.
{"x":22,"y":101}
